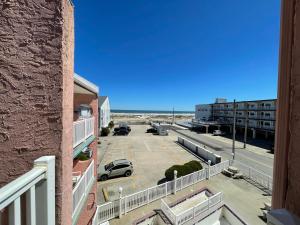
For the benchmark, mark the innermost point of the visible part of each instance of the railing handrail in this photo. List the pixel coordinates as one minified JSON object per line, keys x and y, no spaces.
{"x":17,"y":187}
{"x":82,"y":129}
{"x":82,"y":181}
{"x":41,"y":211}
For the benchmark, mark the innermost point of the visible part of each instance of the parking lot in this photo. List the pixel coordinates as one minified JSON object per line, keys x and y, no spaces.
{"x":150,"y":154}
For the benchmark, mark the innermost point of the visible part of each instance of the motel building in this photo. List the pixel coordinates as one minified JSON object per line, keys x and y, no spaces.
{"x":258,"y":116}
{"x":104,"y":112}
{"x":49,"y":129}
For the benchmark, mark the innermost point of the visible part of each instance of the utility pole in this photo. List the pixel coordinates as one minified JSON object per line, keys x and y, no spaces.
{"x":233,"y":130}
{"x":173,"y":117}
{"x":246,"y":126}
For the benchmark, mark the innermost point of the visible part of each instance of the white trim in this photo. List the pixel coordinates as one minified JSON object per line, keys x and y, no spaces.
{"x":86,"y":84}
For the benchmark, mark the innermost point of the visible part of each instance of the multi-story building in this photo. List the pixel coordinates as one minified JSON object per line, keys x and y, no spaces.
{"x":85,"y":133}
{"x":104,"y":111}
{"x":259,"y":115}
{"x":48,"y":119}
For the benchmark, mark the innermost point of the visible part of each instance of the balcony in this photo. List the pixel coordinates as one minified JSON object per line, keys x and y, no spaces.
{"x":82,"y":189}
{"x":37,"y":187}
{"x":83,"y":134}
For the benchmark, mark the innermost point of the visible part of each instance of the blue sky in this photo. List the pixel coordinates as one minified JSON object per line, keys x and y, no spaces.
{"x":156,"y":54}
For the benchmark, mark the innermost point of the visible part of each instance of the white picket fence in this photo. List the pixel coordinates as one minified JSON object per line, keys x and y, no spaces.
{"x":255,"y":175}
{"x":191,"y":213}
{"x":81,"y":188}
{"x":130,"y":202}
{"x":218,"y":168}
{"x":82,"y":129}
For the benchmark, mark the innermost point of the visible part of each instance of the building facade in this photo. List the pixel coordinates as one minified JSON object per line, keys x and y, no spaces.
{"x":46,"y":111}
{"x":104,"y":111}
{"x":85,"y":133}
{"x":203,"y":112}
{"x":259,"y":115}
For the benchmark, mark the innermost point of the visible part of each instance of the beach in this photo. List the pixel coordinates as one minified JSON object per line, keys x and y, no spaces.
{"x":144,"y":118}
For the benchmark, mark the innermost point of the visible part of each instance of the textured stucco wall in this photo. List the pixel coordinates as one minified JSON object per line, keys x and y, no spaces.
{"x":36,"y":88}
{"x":293,"y":188}
{"x":286,"y":184}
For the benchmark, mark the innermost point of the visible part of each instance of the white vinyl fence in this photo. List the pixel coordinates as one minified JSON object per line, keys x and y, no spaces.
{"x":200,"y":151}
{"x":255,"y":175}
{"x":191,"y":213}
{"x":81,"y":189}
{"x":38,"y":188}
{"x":130,"y":202}
{"x":82,"y":129}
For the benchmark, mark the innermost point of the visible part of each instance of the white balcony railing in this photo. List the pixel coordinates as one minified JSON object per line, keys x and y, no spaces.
{"x":82,"y":129}
{"x":193,"y":212}
{"x":82,"y":187}
{"x":38,"y":188}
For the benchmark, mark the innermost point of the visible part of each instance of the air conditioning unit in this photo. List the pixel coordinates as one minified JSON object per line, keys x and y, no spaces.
{"x":282,"y":217}
{"x":88,"y":152}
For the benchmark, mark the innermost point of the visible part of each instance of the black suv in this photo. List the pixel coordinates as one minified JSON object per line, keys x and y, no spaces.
{"x":122,"y":131}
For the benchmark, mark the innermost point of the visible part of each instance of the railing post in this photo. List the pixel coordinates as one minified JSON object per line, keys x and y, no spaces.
{"x":208,"y":170}
{"x":45,"y":193}
{"x":120,"y":201}
{"x":175,"y":181}
{"x":166,"y":188}
{"x":125,"y":209}
{"x":148,"y":197}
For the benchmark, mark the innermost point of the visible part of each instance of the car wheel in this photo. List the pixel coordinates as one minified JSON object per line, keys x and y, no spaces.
{"x":103,"y":178}
{"x":128,"y":173}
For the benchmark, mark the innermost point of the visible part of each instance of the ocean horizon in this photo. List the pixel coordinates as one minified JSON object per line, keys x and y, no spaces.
{"x":150,"y":111}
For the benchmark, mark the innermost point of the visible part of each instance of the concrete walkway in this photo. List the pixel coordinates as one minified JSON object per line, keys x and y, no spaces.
{"x":242,"y":197}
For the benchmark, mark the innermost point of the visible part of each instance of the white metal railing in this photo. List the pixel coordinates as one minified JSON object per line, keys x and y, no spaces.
{"x":168,"y":211}
{"x":218,"y":168}
{"x":255,"y":175}
{"x":82,"y":129}
{"x":81,"y":188}
{"x":191,"y":213}
{"x":130,"y":202}
{"x":40,"y":199}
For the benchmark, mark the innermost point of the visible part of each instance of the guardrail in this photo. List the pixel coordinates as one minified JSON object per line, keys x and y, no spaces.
{"x":40,"y":208}
{"x":130,"y":202}
{"x":82,"y":129}
{"x":255,"y":175}
{"x":191,"y":213}
{"x":82,"y":187}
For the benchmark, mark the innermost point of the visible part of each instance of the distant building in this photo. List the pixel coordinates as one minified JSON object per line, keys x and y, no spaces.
{"x":261,"y":115}
{"x":104,"y":111}
{"x":203,"y":112}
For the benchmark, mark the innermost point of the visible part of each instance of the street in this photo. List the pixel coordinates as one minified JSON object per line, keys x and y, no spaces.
{"x":255,"y":157}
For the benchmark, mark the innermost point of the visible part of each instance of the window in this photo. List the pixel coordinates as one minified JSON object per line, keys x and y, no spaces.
{"x":119,"y":167}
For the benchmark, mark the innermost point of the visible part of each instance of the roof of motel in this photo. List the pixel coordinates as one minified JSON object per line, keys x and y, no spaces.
{"x":86,"y":84}
{"x":102,"y":99}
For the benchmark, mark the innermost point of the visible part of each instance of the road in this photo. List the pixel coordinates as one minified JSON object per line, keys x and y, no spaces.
{"x":252,"y":156}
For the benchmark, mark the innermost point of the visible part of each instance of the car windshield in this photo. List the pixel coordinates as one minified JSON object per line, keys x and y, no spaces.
{"x":109,"y":166}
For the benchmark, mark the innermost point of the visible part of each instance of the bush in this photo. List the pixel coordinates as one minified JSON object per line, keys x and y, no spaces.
{"x":195,"y":165}
{"x":183,"y":170}
{"x":105,"y":131}
{"x":82,"y":157}
{"x":111,"y":124}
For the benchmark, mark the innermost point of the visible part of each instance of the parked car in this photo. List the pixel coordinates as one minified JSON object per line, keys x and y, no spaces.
{"x":122,"y":131}
{"x":123,"y":126}
{"x":152,"y":130}
{"x":120,"y":167}
{"x":218,"y":133}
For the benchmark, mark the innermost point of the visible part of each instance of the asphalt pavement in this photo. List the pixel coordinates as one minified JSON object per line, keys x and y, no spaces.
{"x":253,"y":156}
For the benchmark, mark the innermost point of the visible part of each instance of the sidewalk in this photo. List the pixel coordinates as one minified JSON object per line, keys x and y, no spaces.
{"x":242,"y":197}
